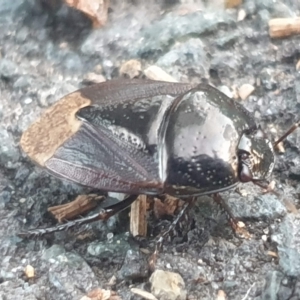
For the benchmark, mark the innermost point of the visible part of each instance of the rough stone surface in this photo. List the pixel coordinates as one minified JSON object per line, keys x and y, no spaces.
{"x":167,"y":285}
{"x":288,"y":244}
{"x":47,"y":51}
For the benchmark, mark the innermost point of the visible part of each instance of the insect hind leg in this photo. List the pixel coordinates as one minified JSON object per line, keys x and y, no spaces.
{"x":103,"y":214}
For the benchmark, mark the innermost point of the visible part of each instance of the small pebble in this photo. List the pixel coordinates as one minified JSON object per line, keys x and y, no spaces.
{"x":29,"y":271}
{"x":131,"y":68}
{"x":167,"y":285}
{"x":245,"y":91}
{"x":221,"y":295}
{"x":156,"y":73}
{"x":143,"y":294}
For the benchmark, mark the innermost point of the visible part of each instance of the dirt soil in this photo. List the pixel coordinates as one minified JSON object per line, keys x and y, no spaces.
{"x":48,"y":50}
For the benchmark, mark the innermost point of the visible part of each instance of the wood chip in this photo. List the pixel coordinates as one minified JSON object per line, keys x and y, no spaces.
{"x":144,"y":294}
{"x":273,"y":254}
{"x":79,"y":206}
{"x":138,"y":216}
{"x":112,"y":281}
{"x":221,"y":295}
{"x":283,"y":27}
{"x":131,"y":68}
{"x":280,"y":148}
{"x":246,"y":90}
{"x":156,"y":73}
{"x":29,"y":271}
{"x":232,"y":3}
{"x":290,"y":206}
{"x":96,"y":10}
{"x":167,"y":207}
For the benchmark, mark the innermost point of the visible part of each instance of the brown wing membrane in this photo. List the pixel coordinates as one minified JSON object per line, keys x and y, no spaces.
{"x":91,"y":159}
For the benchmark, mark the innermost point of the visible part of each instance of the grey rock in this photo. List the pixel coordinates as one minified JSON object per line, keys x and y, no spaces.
{"x":191,"y":55}
{"x":53,"y":252}
{"x":135,"y":266}
{"x":69,"y":276}
{"x":22,"y":34}
{"x":17,"y":289}
{"x":190,"y":25}
{"x":72,"y":62}
{"x":167,"y":285}
{"x":225,"y":62}
{"x":250,"y":7}
{"x":264,"y":16}
{"x":228,"y":40}
{"x":267,"y":77}
{"x":288,"y":51}
{"x":281,"y":10}
{"x":31,"y":48}
{"x":8,"y":7}
{"x":256,"y":206}
{"x":288,"y":244}
{"x":274,"y":288}
{"x":9,"y":153}
{"x":118,"y":245}
{"x":5,"y":197}
{"x":8,"y":69}
{"x":275,"y":9}
{"x":5,"y":275}
{"x":22,"y":82}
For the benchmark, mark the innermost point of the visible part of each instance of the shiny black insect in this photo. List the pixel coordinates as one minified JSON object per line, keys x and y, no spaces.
{"x":150,"y":137}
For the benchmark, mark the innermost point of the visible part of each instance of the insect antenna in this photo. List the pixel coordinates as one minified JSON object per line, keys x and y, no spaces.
{"x":284,"y":136}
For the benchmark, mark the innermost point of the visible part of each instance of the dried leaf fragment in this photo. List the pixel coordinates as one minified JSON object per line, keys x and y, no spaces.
{"x":96,"y":10}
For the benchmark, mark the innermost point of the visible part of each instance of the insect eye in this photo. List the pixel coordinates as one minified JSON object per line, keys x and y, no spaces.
{"x":244,"y":155}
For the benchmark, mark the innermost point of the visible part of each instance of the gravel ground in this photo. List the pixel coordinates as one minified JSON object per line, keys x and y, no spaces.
{"x":48,"y":51}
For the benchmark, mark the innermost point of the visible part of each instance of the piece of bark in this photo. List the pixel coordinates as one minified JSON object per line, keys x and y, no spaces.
{"x":138,"y":221}
{"x":96,"y":10}
{"x":79,"y":206}
{"x":283,"y":27}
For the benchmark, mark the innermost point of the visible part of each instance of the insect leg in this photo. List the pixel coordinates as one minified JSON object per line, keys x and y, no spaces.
{"x":187,"y":205}
{"x":103,"y":214}
{"x":284,"y":136}
{"x":237,"y":226}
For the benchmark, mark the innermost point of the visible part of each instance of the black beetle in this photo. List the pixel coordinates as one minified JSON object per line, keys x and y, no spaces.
{"x":150,"y":137}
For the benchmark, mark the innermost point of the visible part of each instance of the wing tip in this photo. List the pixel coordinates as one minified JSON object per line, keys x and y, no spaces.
{"x":53,"y":128}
